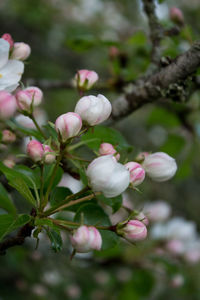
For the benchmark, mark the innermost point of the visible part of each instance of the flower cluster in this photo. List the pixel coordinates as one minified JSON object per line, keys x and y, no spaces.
{"x":105,"y":176}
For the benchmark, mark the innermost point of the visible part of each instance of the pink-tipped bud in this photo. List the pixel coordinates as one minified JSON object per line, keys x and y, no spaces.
{"x":7,"y":37}
{"x":48,"y":157}
{"x":177,"y":281}
{"x":93,"y":110}
{"x":142,"y":218}
{"x":68,"y":125}
{"x":35,"y":150}
{"x":133,"y":231}
{"x":137,"y":173}
{"x":176,"y":16}
{"x":8,"y":136}
{"x":86,"y":238}
{"x":85,"y":79}
{"x":31,"y":96}
{"x":21,"y":51}
{"x":8,"y":105}
{"x":160,"y":166}
{"x":108,"y":149}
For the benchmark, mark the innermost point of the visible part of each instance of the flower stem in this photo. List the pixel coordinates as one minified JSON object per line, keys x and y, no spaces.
{"x":37,"y":126}
{"x":70,"y":203}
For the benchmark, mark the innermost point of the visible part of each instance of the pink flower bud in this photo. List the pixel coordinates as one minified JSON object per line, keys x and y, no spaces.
{"x":85,"y":79}
{"x":137,"y":173}
{"x":176,"y":15}
{"x":141,"y":156}
{"x":160,"y":166}
{"x":35,"y":150}
{"x":93,"y":110}
{"x":157,"y":211}
{"x":133,"y":231}
{"x":29,"y":96}
{"x":7,"y":37}
{"x":177,"y":281}
{"x":8,"y":136}
{"x":113,"y":52}
{"x":8,"y":105}
{"x":86,"y":238}
{"x":108,"y":149}
{"x":21,"y":51}
{"x":68,"y":125}
{"x":48,"y":157}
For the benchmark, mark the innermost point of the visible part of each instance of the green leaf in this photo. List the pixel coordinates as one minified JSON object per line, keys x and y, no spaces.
{"x":59,"y":194}
{"x":46,"y":222}
{"x":48,"y":169}
{"x":29,"y":175}
{"x":5,"y":201}
{"x":93,"y":215}
{"x":138,"y":39}
{"x":115,"y":202}
{"x":9,"y":223}
{"x":51,"y":131}
{"x":105,"y":135}
{"x":56,"y":240}
{"x":21,"y":171}
{"x":20,"y":185}
{"x":109,"y":239}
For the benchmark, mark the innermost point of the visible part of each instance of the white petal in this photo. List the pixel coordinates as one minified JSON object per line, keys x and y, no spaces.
{"x":11,"y":75}
{"x":4,"y":52}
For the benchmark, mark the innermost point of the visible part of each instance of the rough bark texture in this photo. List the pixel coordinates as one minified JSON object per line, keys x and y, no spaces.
{"x":157,"y":85}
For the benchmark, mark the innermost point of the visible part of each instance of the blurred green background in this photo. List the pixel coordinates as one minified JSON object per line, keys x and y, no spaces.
{"x":68,"y":35}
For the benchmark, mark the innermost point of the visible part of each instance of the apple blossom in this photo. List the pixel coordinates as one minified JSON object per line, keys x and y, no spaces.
{"x":157,"y":211}
{"x":137,"y":173}
{"x":93,"y":110}
{"x":108,"y":149}
{"x":48,"y":157}
{"x":7,"y":37}
{"x":28,"y":97}
{"x":39,"y":152}
{"x":68,"y":125}
{"x":142,"y":218}
{"x":86,"y":238}
{"x":8,"y":136}
{"x":7,"y":105}
{"x":134,"y":230}
{"x":35,"y":150}
{"x":11,"y":70}
{"x":176,"y":15}
{"x":85,"y":79}
{"x":9,"y":162}
{"x":108,"y":176}
{"x":21,"y":51}
{"x":160,"y":166}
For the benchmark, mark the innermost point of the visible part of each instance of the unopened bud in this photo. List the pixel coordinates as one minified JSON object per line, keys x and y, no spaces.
{"x":8,"y":136}
{"x":137,"y":173}
{"x":35,"y":150}
{"x":21,"y":51}
{"x":108,"y":176}
{"x":133,"y":231}
{"x":86,"y":238}
{"x":8,"y":105}
{"x":93,"y":110}
{"x":108,"y":149}
{"x":68,"y":125}
{"x":85,"y":79}
{"x":7,"y":37}
{"x":31,"y":96}
{"x":48,"y":157}
{"x":176,"y":16}
{"x":160,"y":166}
